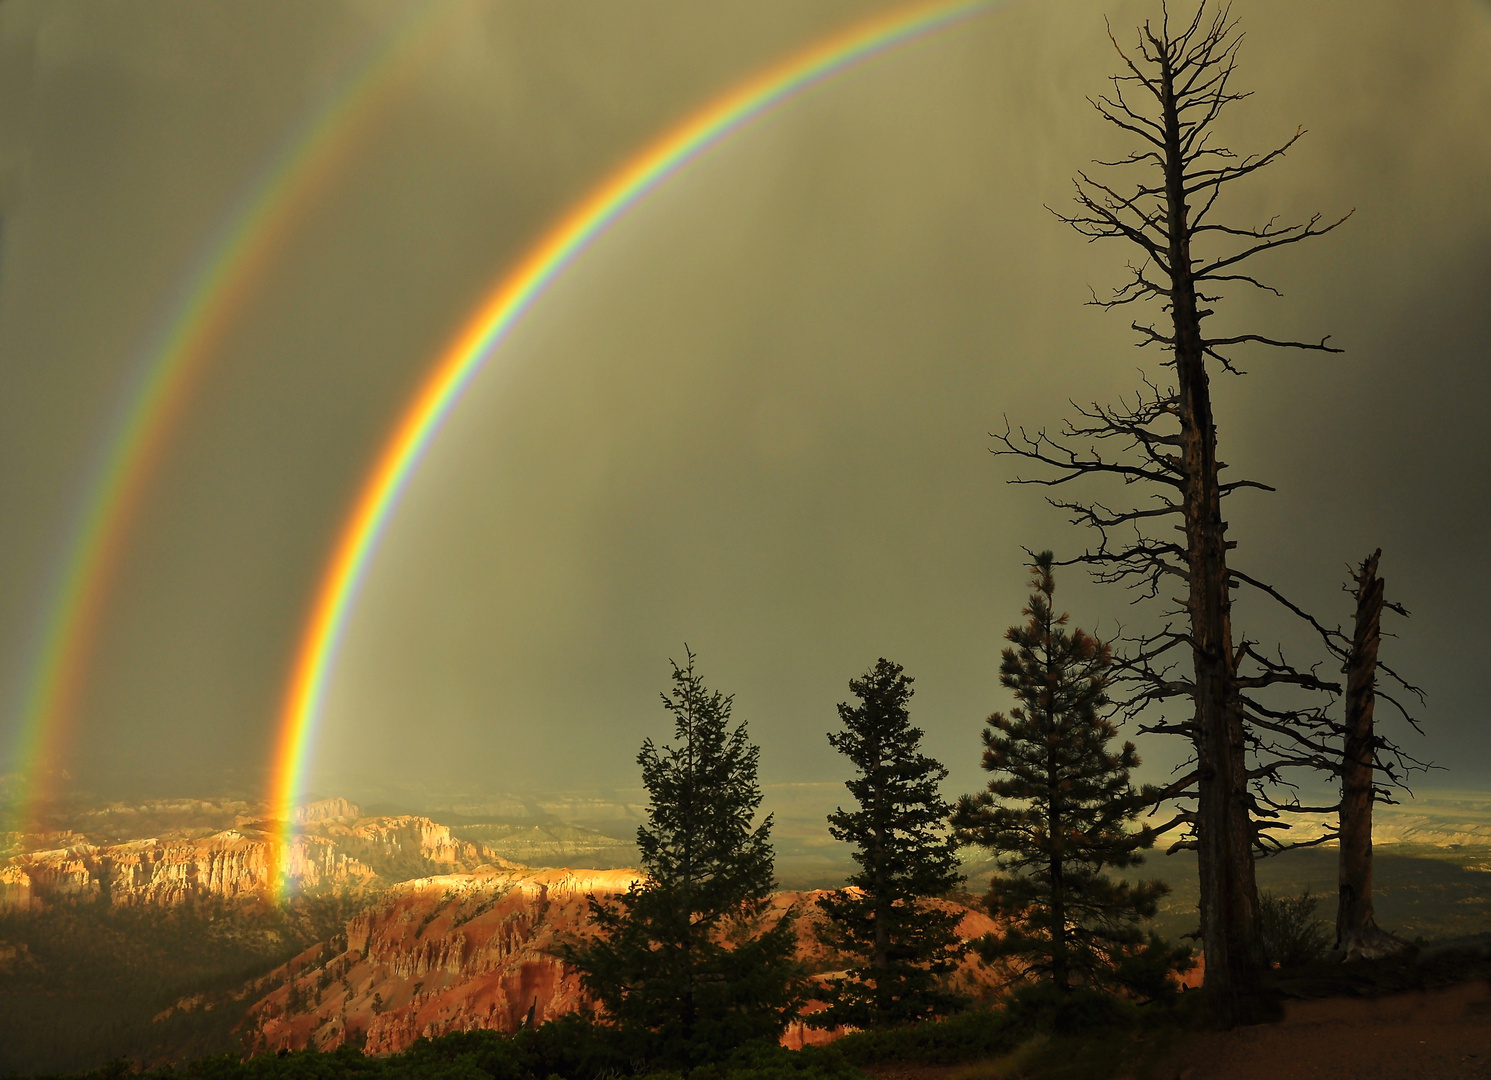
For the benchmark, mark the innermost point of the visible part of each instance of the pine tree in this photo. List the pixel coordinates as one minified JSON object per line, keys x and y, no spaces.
{"x":684,"y":964}
{"x":1058,"y":810}
{"x":905,"y":855}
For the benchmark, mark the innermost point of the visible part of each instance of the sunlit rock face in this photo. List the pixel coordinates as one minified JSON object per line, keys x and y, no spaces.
{"x":390,"y":839}
{"x":335,"y":848}
{"x":229,"y":865}
{"x":467,"y":951}
{"x":15,"y":888}
{"x":63,"y":872}
{"x":440,"y":954}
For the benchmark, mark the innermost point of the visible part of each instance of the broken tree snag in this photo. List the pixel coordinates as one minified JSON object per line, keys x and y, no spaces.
{"x":1357,"y":934}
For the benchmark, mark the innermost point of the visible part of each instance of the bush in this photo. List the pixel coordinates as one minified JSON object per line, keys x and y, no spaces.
{"x":1292,"y":935}
{"x":1041,"y":1008}
{"x":1145,"y":973}
{"x":570,"y":1047}
{"x":974,"y":1034}
{"x":478,"y":1054}
{"x":573,"y":1045}
{"x":768,"y":1061}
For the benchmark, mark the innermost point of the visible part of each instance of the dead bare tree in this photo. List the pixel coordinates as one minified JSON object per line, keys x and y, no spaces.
{"x":1172,"y":88}
{"x":1368,"y":767}
{"x":1357,"y":933}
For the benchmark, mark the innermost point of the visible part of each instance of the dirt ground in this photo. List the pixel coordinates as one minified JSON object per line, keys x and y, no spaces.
{"x":1434,"y":1034}
{"x":1444,"y":1034}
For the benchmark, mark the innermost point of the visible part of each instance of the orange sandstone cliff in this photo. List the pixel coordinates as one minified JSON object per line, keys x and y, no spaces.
{"x":466,"y":951}
{"x":435,"y":955}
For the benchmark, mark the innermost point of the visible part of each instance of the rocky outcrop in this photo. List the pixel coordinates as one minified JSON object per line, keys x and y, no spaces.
{"x":230,"y":865}
{"x":391,"y":840}
{"x":332,"y":849}
{"x":465,"y":951}
{"x":15,"y":889}
{"x":440,"y":954}
{"x":64,"y":873}
{"x":327,"y":810}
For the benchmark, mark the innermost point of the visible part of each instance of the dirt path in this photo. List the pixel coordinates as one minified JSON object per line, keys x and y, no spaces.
{"x":1439,"y":1034}
{"x":1442,"y":1034}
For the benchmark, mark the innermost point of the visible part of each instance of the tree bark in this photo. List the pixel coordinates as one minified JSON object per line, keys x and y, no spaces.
{"x":880,"y":959}
{"x":1060,"y":969}
{"x":1229,"y":893}
{"x":1060,"y":975}
{"x":1358,"y":936}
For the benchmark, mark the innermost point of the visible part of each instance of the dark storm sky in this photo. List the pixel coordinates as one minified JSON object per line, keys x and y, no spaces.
{"x":753,"y":417}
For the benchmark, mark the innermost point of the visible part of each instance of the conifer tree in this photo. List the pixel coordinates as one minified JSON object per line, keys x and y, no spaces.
{"x":1058,"y":811}
{"x":684,"y":965}
{"x":905,"y":855}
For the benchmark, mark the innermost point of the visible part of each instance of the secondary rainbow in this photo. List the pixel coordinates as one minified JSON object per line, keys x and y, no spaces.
{"x":216,"y":292}
{"x":505,"y":304}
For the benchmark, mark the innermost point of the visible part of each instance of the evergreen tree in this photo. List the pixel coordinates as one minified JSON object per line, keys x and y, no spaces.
{"x":684,"y":964}
{"x":1058,"y":810}
{"x":905,"y":854}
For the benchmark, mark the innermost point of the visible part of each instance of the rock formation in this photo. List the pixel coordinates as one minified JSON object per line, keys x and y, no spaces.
{"x":334,"y":847}
{"x":64,"y":872}
{"x":327,"y":810}
{"x":440,"y":954}
{"x":466,"y":951}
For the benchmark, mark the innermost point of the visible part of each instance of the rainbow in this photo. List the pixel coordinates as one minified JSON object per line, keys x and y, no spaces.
{"x":217,"y":290}
{"x":505,"y":304}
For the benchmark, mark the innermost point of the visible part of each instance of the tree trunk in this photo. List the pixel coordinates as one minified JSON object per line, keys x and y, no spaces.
{"x":691,"y":839}
{"x":880,"y":959}
{"x":1357,"y":934}
{"x":1229,"y":894}
{"x":1060,"y":970}
{"x":1060,"y":975}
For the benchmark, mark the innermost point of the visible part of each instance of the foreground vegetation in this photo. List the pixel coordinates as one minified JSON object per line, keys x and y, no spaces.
{"x":1038,"y":1033}
{"x":1087,"y":1025}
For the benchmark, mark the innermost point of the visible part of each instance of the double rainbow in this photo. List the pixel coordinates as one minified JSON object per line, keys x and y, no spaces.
{"x":506,"y":303}
{"x":217,"y":291}
{"x":513,"y":294}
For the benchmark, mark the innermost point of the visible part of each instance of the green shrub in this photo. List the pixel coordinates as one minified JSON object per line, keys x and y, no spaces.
{"x":768,"y":1061}
{"x":1292,"y":935}
{"x":481,"y":1055}
{"x":570,"y":1048}
{"x":1041,"y":1008}
{"x":1146,"y":972}
{"x":574,"y":1046}
{"x":974,"y":1034}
